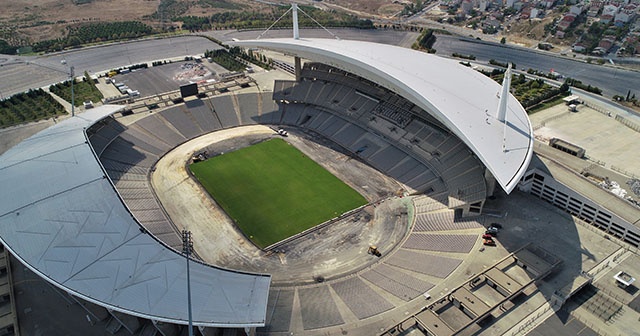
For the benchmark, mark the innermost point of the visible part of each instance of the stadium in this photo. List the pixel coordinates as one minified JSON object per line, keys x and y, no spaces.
{"x":432,"y":125}
{"x":90,"y":204}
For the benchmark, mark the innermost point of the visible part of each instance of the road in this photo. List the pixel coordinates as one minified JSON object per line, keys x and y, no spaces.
{"x":393,"y":37}
{"x":611,"y":80}
{"x":22,"y":73}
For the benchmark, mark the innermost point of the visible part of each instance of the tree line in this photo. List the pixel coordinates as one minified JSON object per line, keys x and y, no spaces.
{"x":84,"y":33}
{"x":171,"y":10}
{"x":254,"y":19}
{"x":225,"y":59}
{"x":425,"y":41}
{"x":529,"y":92}
{"x":6,"y":48}
{"x":28,"y":106}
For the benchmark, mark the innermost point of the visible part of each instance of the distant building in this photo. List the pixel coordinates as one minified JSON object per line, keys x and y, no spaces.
{"x":594,"y":8}
{"x":566,"y":22}
{"x":606,"y":18}
{"x":605,"y":44}
{"x":609,"y":10}
{"x":447,"y":4}
{"x":579,"y":47}
{"x":482,"y":6}
{"x":534,"y":13}
{"x":632,"y":42}
{"x":575,"y":9}
{"x":466,"y":6}
{"x":491,"y":22}
{"x":626,"y":14}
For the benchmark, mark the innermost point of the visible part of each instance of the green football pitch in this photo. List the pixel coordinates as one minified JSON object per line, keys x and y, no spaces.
{"x":273,"y":191}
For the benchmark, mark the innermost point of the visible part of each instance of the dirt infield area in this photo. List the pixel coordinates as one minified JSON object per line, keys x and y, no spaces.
{"x":326,"y":253}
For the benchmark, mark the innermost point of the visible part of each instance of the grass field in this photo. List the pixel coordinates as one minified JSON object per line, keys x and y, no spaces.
{"x":273,"y":191}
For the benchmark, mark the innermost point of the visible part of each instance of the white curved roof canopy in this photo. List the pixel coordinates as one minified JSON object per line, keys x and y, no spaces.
{"x":462,"y":99}
{"x":61,"y":217}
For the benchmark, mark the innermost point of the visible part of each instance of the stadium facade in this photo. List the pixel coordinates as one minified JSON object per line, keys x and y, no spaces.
{"x":62,"y":218}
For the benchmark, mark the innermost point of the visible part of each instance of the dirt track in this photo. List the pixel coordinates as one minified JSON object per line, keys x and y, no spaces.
{"x":330,"y":252}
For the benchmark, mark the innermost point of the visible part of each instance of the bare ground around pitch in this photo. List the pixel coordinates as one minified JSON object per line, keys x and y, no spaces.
{"x":328,"y":252}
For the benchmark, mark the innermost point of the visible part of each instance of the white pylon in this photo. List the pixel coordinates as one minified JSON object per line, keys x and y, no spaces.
{"x":296,"y":31}
{"x":504,"y":95}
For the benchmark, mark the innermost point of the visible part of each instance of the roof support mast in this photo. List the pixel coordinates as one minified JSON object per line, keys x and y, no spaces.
{"x":296,"y":36}
{"x":296,"y":31}
{"x":502,"y":105}
{"x":504,"y":95}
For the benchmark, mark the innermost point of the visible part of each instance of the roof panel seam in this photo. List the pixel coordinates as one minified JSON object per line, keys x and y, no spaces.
{"x":51,"y":196}
{"x":42,"y":155}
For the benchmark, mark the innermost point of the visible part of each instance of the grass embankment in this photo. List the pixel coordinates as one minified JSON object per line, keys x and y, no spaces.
{"x":84,"y":90}
{"x":547,"y":104}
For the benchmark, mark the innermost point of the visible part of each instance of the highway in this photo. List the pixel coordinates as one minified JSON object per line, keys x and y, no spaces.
{"x":612,"y":80}
{"x":22,"y":73}
{"x":393,"y":37}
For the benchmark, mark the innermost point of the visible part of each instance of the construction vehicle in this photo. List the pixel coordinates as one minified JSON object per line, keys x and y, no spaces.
{"x":374,"y":250}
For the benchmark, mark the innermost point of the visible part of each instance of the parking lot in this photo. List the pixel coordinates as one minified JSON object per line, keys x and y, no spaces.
{"x":169,"y":77}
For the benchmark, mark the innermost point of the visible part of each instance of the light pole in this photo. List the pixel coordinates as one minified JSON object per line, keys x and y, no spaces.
{"x":73,"y":79}
{"x":187,"y":245}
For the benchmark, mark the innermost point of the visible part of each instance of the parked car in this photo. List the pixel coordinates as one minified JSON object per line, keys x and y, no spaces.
{"x":496,"y":225}
{"x":493,"y":231}
{"x":489,"y":242}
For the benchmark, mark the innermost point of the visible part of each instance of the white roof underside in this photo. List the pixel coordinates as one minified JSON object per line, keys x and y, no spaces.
{"x":61,"y":216}
{"x":461,"y":98}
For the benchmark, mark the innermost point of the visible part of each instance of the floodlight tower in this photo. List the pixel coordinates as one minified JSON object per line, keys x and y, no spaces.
{"x":73,"y":79}
{"x":187,"y":246}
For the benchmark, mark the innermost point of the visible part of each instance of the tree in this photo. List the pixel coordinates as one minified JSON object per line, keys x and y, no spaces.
{"x":535,"y":84}
{"x":6,"y":48}
{"x":510,"y":11}
{"x":503,"y":40}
